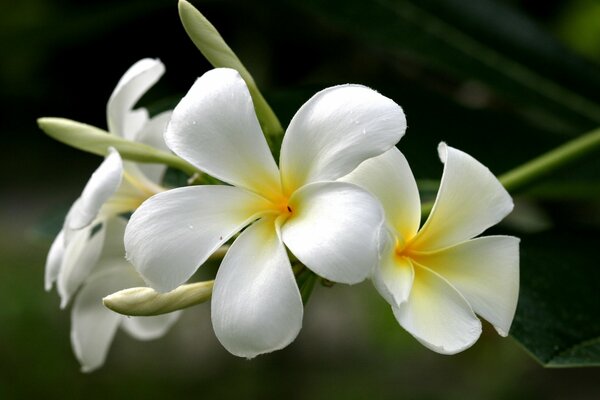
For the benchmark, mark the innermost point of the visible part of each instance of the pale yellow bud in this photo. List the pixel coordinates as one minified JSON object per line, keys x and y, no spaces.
{"x":145,"y":301}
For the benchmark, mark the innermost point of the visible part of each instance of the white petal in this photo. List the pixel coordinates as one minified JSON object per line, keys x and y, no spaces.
{"x":486,"y":272}
{"x":102,"y":184}
{"x":334,"y":230}
{"x":174,"y":232}
{"x":437,"y":315}
{"x":256,"y":304}
{"x":469,"y":201}
{"x":140,"y":77}
{"x":92,"y":325}
{"x":335,"y":130}
{"x":54,"y":260}
{"x":215,"y":128}
{"x":149,"y":328}
{"x":394,"y":276}
{"x":80,"y":257}
{"x":152,"y":134}
{"x":390,"y":179}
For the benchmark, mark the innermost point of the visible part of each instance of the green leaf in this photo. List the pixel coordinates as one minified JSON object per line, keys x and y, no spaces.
{"x":97,"y":141}
{"x":212,"y":45}
{"x":557,"y":318}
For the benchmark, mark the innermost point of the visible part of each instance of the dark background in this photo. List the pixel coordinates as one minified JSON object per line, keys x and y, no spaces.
{"x":63,"y":58}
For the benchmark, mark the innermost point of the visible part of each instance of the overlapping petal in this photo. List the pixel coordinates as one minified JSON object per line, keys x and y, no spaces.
{"x":336,"y":130}
{"x":93,"y":326}
{"x":486,"y":272}
{"x":174,"y":232}
{"x":215,"y":128}
{"x":437,"y":315}
{"x":334,"y":230}
{"x":128,"y":196}
{"x":256,"y":304}
{"x":390,"y":179}
{"x":79,"y":259}
{"x":470,"y":200}
{"x":100,"y":187}
{"x":150,"y":328}
{"x":394,"y":277}
{"x":122,"y":119}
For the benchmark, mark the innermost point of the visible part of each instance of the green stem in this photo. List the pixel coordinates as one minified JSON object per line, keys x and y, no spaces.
{"x":533,"y":170}
{"x":97,"y":141}
{"x":212,"y":45}
{"x":268,"y":120}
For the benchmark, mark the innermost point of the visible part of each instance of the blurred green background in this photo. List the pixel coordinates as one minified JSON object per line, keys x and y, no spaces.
{"x":502,"y":80}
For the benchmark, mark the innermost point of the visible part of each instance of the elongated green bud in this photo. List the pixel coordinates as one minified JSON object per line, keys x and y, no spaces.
{"x":144,"y":301}
{"x":97,"y":141}
{"x":212,"y":45}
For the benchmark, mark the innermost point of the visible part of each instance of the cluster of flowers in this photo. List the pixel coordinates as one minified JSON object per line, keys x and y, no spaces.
{"x":342,"y":202}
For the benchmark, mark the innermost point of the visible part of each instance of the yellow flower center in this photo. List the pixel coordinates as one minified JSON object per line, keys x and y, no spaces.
{"x":403,"y":247}
{"x":282,"y":206}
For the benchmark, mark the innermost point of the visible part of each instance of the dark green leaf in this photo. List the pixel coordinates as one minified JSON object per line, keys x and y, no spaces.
{"x":557,"y":317}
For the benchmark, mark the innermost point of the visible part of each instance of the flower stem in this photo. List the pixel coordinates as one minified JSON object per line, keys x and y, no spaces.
{"x":532,"y":171}
{"x":97,"y":141}
{"x":212,"y":45}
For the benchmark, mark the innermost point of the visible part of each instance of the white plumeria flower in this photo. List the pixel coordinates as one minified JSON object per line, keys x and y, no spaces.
{"x":437,"y":278}
{"x":88,"y":253}
{"x":329,"y":226}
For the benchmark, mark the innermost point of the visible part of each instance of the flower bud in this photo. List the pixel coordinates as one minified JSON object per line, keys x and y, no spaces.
{"x":145,"y":301}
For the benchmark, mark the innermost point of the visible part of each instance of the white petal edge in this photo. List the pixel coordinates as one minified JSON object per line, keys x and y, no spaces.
{"x":141,"y":76}
{"x":437,"y":315}
{"x":100,"y":187}
{"x":470,"y":200}
{"x":256,"y":305}
{"x":389,"y":178}
{"x":89,"y":247}
{"x":172,"y":233}
{"x":80,"y":257}
{"x":486,"y":272}
{"x":336,"y":130}
{"x":215,"y":128}
{"x":394,"y":276}
{"x":150,"y":328}
{"x":54,"y":260}
{"x":93,"y":326}
{"x":334,"y":230}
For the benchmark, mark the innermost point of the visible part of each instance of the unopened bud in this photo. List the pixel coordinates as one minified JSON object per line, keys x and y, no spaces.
{"x":145,"y":301}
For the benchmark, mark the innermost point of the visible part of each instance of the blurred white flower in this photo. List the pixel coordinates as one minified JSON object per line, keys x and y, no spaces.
{"x":87,"y":253}
{"x":331,"y":227}
{"x":437,"y":278}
